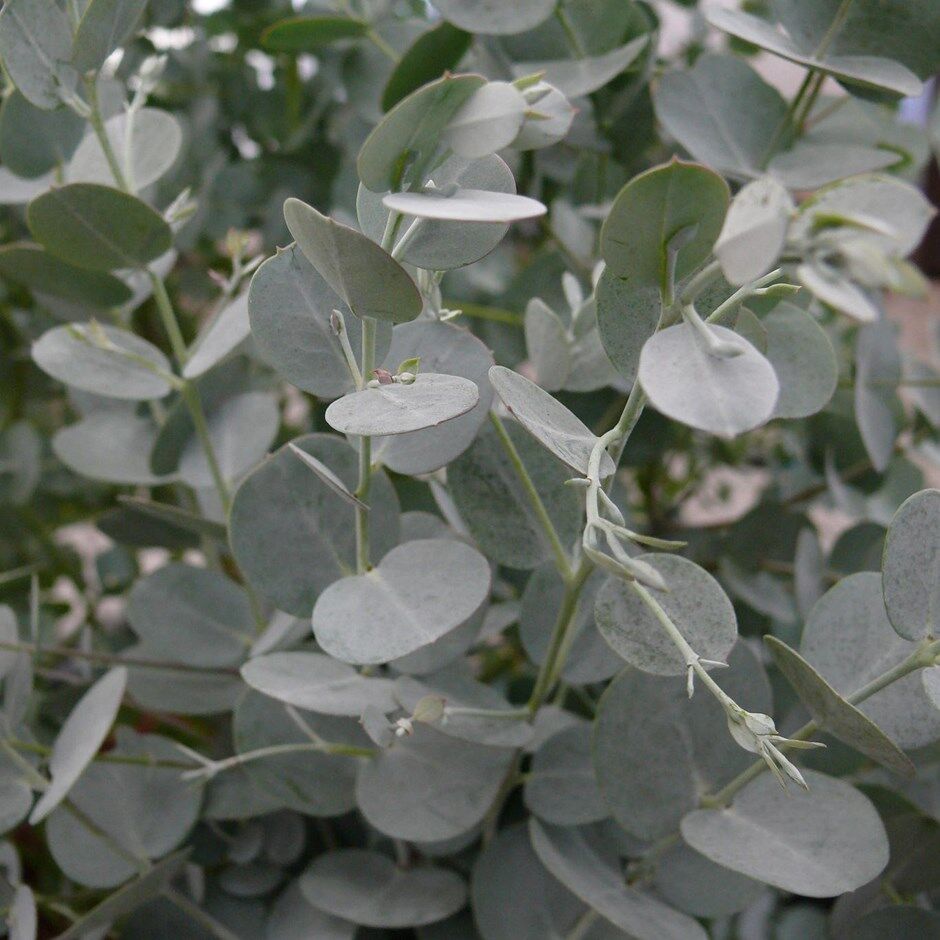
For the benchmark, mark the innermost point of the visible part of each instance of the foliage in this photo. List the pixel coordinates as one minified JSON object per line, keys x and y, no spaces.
{"x":390,"y":349}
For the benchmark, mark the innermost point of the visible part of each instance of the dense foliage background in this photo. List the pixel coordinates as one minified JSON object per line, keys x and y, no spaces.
{"x":509,"y":719}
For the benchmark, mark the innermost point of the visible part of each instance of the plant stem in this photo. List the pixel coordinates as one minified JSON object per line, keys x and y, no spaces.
{"x":365,"y":457}
{"x":570,"y":34}
{"x":114,"y":658}
{"x":97,"y":125}
{"x":164,"y":306}
{"x":729,"y":306}
{"x":168,"y":318}
{"x":559,"y":646}
{"x":137,"y":760}
{"x":562,"y":562}
{"x":210,"y":768}
{"x":198,"y":416}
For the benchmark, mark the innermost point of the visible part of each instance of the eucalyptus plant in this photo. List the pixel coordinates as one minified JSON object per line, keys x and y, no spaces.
{"x":366,"y":371}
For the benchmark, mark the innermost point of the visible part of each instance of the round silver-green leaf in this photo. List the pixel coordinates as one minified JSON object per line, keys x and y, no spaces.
{"x":911,"y":567}
{"x":397,"y":408}
{"x":695,"y":603}
{"x":417,"y":593}
{"x":819,"y":843}
{"x":368,"y":888}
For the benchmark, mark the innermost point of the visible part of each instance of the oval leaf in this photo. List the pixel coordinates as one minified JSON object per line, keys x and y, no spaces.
{"x":819,"y":843}
{"x":417,"y":593}
{"x":686,"y":382}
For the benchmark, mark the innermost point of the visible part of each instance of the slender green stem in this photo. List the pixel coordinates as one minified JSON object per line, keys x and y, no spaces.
{"x":382,"y":45}
{"x":210,"y":768}
{"x":724,"y":310}
{"x":363,"y":562}
{"x":113,"y":658}
{"x":200,"y":425}
{"x":837,"y":22}
{"x":786,"y":122}
{"x":561,"y":14}
{"x":97,"y":125}
{"x":559,"y":644}
{"x":168,"y":318}
{"x":562,"y":561}
{"x":137,"y":760}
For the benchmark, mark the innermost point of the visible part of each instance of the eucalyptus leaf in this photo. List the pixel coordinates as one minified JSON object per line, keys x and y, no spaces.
{"x":293,"y":917}
{"x":476,"y":707}
{"x":369,"y":889}
{"x":401,"y":150}
{"x":191,"y":615}
{"x":145,"y":810}
{"x":429,"y":786}
{"x":694,"y":602}
{"x":686,"y":381}
{"x":497,"y":509}
{"x":418,"y":592}
{"x":490,"y":16}
{"x":97,"y":227}
{"x":33,"y":267}
{"x":514,"y":896}
{"x":105,"y":360}
{"x":627,"y":317}
{"x":397,"y":408}
{"x":911,"y":567}
{"x":289,"y":308}
{"x":229,"y":328}
{"x":722,"y":112}
{"x":656,"y":751}
{"x":489,"y":120}
{"x":446,"y":349}
{"x":317,"y":683}
{"x":146,"y":145}
{"x":754,"y":231}
{"x":561,"y":788}
{"x":129,"y":897}
{"x":34,"y":141}
{"x":548,"y":421}
{"x":36,"y":45}
{"x":105,"y":26}
{"x":308,"y":781}
{"x":675,"y":200}
{"x":434,"y":52}
{"x":596,"y":881}
{"x":584,"y":75}
{"x":877,"y":373}
{"x":366,"y":277}
{"x":438,"y":245}
{"x":818,"y":843}
{"x":803,"y":359}
{"x":849,"y":640}
{"x":292,"y":535}
{"x":868,"y":70}
{"x":79,"y":738}
{"x":834,"y":713}
{"x":112,"y":445}
{"x":466,"y":205}
{"x":590,"y":658}
{"x":309,"y":33}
